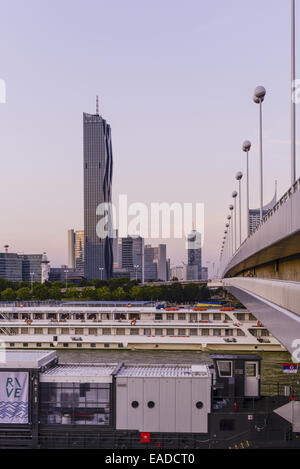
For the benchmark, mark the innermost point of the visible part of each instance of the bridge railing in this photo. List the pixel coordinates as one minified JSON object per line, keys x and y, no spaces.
{"x":227,"y":262}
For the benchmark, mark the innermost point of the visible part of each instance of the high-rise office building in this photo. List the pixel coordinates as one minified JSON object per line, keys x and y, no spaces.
{"x":97,"y":167}
{"x":76,"y":251}
{"x":160,"y":257}
{"x":71,"y":249}
{"x":194,"y":264}
{"x":150,"y":266}
{"x":132,"y":256}
{"x":24,"y":267}
{"x":254,"y":214}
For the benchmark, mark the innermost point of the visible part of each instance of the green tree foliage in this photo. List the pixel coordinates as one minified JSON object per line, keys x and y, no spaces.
{"x":24,"y":293}
{"x":8,"y":294}
{"x":103,"y":294}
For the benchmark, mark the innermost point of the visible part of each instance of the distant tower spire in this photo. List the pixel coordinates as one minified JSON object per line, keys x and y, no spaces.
{"x":97,"y":105}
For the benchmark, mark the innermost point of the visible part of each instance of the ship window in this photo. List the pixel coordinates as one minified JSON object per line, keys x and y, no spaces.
{"x":225,"y":368}
{"x":151,"y":404}
{"x":25,"y":344}
{"x":134,"y":404}
{"x":226,"y":425}
{"x":66,"y":345}
{"x":199,"y":405}
{"x":75,"y":403}
{"x":158,"y":316}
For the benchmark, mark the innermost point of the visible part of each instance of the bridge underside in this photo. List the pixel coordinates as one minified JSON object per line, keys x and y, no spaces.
{"x":282,"y":323}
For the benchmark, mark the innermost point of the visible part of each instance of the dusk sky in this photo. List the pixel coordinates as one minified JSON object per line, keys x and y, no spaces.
{"x":175,"y":81}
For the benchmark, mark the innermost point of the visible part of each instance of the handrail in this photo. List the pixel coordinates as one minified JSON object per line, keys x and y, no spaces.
{"x":286,"y":196}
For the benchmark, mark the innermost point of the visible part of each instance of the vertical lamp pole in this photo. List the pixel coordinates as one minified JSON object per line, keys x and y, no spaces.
{"x":66,"y":272}
{"x":238,"y":177}
{"x":101,"y":272}
{"x":231,"y":210}
{"x":246,"y":148}
{"x":258,"y":98}
{"x":234,"y":195}
{"x":228,"y":239}
{"x":293,"y":103}
{"x":31,"y":277}
{"x":230,"y":231}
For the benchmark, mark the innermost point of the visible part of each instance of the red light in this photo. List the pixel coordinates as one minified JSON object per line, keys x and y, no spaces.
{"x":145,"y":437}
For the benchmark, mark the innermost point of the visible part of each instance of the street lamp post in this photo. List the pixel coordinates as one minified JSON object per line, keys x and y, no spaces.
{"x":31,"y":278}
{"x":228,"y":238}
{"x":231,"y":234}
{"x":258,"y":98}
{"x":231,"y":210}
{"x":136,"y":268}
{"x":66,"y":272}
{"x":234,"y":195}
{"x":246,"y":148}
{"x":238,"y":177}
{"x":101,"y":272}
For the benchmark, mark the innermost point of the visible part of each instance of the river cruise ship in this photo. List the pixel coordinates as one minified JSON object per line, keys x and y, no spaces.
{"x":132,"y":327}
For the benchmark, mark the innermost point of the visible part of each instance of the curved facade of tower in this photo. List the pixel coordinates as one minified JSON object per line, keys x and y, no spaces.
{"x":98,"y":167}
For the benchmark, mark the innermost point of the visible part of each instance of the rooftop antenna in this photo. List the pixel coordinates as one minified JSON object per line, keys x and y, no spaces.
{"x":97,"y":105}
{"x":6,"y":246}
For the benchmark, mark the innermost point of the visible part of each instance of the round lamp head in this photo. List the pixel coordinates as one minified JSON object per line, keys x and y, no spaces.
{"x":234,"y":194}
{"x":246,"y":145}
{"x":239,"y":175}
{"x":259,"y":94}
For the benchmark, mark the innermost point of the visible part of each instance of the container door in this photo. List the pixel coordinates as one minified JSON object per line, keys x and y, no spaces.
{"x":251,"y":379}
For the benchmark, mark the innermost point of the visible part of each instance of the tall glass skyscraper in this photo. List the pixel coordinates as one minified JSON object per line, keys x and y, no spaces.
{"x":97,"y":167}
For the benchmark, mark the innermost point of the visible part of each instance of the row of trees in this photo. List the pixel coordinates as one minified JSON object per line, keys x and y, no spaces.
{"x":113,"y":289}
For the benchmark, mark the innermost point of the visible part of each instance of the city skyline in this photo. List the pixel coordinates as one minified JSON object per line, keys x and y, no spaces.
{"x":131,"y":105}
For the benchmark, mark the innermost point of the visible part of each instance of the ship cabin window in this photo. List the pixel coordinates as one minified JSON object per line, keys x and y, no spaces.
{"x":181,"y":316}
{"x":158,"y":332}
{"x":225,"y":368}
{"x":158,"y":316}
{"x":120,"y":331}
{"x":106,"y":331}
{"x":91,"y":317}
{"x":75,"y":403}
{"x":181,"y":332}
{"x":204,"y":331}
{"x":193,"y":316}
{"x":120,"y":316}
{"x":133,"y":316}
{"x":193,"y":332}
{"x":170,"y":316}
{"x":147,"y":331}
{"x":205,"y":316}
{"x":217,"y":332}
{"x":134,"y":331}
{"x":170,"y":332}
{"x":217,"y":316}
